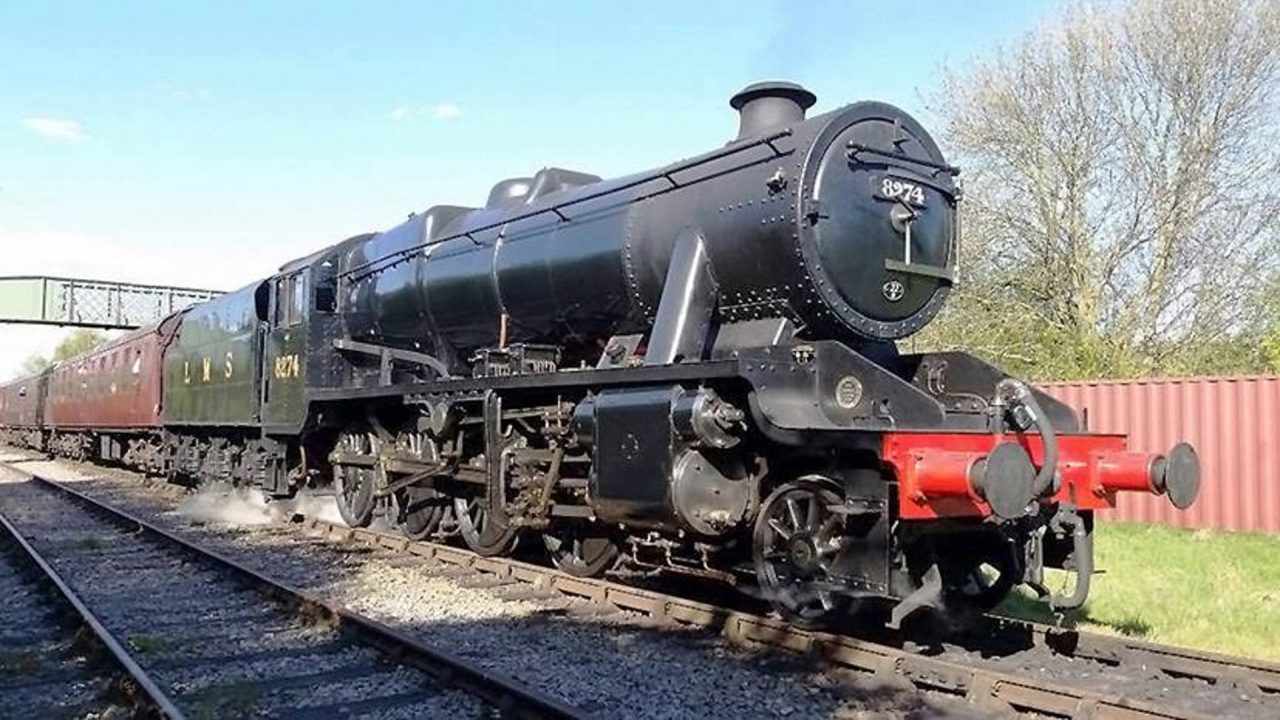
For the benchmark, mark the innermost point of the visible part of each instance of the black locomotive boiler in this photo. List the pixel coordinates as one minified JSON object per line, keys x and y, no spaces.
{"x":689,"y":369}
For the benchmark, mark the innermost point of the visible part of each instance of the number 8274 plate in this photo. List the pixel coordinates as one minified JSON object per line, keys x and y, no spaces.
{"x":889,"y":187}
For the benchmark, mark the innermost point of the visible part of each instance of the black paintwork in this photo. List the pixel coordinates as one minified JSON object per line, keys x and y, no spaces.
{"x":790,"y":224}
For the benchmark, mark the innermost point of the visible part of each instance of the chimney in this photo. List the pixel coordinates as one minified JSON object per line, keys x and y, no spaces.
{"x":770,"y":105}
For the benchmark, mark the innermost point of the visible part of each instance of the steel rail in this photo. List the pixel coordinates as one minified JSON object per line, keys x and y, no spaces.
{"x":506,"y":694}
{"x":1251,"y":676}
{"x":153,"y":695}
{"x":983,"y":686}
{"x":1259,"y":678}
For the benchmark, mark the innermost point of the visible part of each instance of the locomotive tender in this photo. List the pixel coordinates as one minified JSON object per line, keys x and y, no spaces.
{"x":689,"y":369}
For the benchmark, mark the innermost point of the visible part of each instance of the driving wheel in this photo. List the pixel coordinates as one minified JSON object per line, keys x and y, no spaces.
{"x":797,"y":539}
{"x":981,"y":577}
{"x":576,"y":550}
{"x":422,"y":511}
{"x":480,"y":529}
{"x":353,"y":483}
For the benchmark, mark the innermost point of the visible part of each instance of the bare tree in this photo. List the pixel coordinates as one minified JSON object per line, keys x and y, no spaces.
{"x":1123,"y":188}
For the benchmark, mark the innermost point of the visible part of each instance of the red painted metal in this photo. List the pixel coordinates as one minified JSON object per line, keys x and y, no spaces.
{"x":1233,"y":423}
{"x":1130,"y":471}
{"x":932,"y":470}
{"x":116,"y":386}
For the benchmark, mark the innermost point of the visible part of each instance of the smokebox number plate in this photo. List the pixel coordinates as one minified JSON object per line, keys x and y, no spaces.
{"x":888,"y":187}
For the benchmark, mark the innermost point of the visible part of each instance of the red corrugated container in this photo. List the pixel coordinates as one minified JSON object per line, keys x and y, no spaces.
{"x":1234,"y":424}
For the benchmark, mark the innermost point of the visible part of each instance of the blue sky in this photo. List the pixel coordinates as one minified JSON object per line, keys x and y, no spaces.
{"x":205,"y":143}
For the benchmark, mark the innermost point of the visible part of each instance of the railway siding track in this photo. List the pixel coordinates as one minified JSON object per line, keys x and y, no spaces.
{"x":1252,"y":677}
{"x":201,"y":641}
{"x":992,"y":688}
{"x":56,"y":657}
{"x":998,"y":691}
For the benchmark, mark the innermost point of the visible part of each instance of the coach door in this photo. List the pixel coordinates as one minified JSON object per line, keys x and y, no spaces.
{"x":284,"y":372}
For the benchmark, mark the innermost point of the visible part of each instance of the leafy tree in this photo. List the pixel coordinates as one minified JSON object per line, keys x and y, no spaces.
{"x":1122,"y":207}
{"x":1269,"y":311}
{"x":77,"y":342}
{"x":35,"y":364}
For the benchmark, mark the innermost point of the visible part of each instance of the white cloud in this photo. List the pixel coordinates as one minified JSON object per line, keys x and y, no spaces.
{"x":440,"y":111}
{"x":446,"y":111}
{"x":65,"y":130}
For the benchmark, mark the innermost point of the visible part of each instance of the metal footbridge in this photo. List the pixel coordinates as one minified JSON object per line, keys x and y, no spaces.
{"x":70,"y":302}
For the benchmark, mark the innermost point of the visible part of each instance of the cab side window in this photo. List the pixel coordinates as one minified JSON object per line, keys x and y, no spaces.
{"x":290,"y":300}
{"x":299,"y":298}
{"x":283,"y":287}
{"x":326,"y":295}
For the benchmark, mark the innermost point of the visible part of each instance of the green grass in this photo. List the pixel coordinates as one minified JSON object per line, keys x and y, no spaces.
{"x":19,"y":662}
{"x":229,"y":701}
{"x":1203,"y":589}
{"x":152,"y":644}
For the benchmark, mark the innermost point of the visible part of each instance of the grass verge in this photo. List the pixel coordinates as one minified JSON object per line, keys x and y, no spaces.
{"x":1197,"y":588}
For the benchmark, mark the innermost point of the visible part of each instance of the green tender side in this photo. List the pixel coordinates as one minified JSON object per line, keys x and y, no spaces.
{"x":212,"y":368}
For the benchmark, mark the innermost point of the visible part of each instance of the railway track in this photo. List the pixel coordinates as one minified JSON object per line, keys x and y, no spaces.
{"x":1250,"y":681}
{"x":205,"y":636}
{"x":1250,"y":677}
{"x":996,"y":671}
{"x":56,"y":658}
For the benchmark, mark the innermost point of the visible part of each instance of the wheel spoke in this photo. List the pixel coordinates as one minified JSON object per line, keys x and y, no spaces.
{"x":777,"y":527}
{"x":826,"y":549}
{"x":782,"y":569}
{"x":793,"y":511}
{"x":811,"y":519}
{"x":798,"y":541}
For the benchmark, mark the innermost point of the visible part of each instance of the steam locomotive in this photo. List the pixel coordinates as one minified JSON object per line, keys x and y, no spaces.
{"x":691,"y":369}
